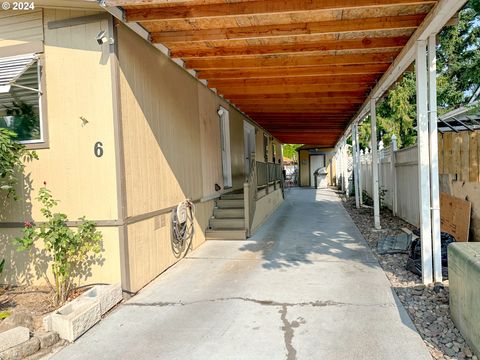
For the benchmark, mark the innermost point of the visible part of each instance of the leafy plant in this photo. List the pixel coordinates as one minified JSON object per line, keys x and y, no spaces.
{"x":2,"y":265}
{"x":12,"y":161}
{"x":25,"y":120}
{"x":71,"y":252}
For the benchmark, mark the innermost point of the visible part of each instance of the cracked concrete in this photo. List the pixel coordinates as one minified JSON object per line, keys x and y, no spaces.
{"x":306,"y":286}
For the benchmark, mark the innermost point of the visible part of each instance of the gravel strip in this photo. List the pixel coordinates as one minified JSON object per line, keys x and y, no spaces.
{"x":428,"y":307}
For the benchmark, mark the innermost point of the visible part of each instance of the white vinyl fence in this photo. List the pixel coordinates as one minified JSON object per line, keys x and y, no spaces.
{"x":398,"y":181}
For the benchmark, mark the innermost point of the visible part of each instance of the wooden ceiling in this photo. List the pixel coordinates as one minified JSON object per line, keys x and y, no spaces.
{"x":299,"y":68}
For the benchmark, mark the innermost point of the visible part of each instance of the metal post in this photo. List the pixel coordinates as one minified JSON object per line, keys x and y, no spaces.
{"x":423,"y":162}
{"x":394,"y":175}
{"x":373,"y":138}
{"x":434,"y":182}
{"x":359,"y":162}
{"x":355,"y":165}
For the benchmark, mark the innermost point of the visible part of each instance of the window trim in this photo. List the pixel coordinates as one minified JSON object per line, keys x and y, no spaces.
{"x":38,"y":49}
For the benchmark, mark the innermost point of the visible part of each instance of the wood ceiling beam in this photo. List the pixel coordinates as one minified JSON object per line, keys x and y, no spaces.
{"x":253,"y":7}
{"x":309,"y":95}
{"x":324,"y":45}
{"x":303,"y":102}
{"x":276,"y":89}
{"x":293,"y":71}
{"x":261,"y":61}
{"x":301,"y":110}
{"x":305,"y":80}
{"x":269,"y":31}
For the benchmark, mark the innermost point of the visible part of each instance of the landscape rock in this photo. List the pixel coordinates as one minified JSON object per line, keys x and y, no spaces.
{"x":18,"y":318}
{"x":47,"y":339}
{"x":13,"y":337}
{"x":22,"y":350}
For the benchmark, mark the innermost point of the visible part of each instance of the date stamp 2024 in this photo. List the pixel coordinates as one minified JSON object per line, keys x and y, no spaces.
{"x":18,"y":5}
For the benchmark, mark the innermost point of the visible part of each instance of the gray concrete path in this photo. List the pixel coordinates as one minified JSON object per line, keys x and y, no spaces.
{"x":306,"y":286}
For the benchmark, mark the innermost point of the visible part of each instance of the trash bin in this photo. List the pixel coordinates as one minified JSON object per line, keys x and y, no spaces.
{"x":320,"y":176}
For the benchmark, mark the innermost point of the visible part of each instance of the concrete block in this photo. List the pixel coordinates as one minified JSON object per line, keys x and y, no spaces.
{"x":107,"y":295}
{"x":47,"y":339}
{"x":75,"y":318}
{"x":464,"y":281}
{"x":21,"y":351}
{"x":47,"y":322}
{"x":13,"y":337}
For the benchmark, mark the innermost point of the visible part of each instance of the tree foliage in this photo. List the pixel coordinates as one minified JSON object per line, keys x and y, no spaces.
{"x":13,"y":156}
{"x":290,"y":150}
{"x":458,"y":77}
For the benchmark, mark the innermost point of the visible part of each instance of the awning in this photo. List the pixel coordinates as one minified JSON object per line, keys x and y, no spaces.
{"x":11,"y":68}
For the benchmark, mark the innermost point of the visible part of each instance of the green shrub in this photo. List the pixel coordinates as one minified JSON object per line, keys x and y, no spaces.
{"x":71,"y":252}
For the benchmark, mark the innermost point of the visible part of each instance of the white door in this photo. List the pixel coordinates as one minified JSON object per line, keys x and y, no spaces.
{"x":225,"y":143}
{"x":249,"y":144}
{"x":316,"y":161}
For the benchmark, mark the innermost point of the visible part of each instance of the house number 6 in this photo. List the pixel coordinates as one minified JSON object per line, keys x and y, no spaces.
{"x":98,"y":149}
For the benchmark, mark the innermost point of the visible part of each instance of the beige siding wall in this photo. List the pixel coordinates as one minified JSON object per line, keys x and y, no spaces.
{"x":78,"y":83}
{"x":171,"y":133}
{"x":19,"y":27}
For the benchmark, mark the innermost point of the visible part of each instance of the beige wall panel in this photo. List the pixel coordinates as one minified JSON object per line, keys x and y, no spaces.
{"x":210,"y":140}
{"x":304,"y":164}
{"x":21,"y":267}
{"x":266,"y":207}
{"x":160,"y":128}
{"x":260,"y":150}
{"x":18,"y":27}
{"x":78,"y":83}
{"x":149,"y":246}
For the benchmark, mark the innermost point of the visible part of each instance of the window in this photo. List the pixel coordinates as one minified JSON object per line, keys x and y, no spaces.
{"x":21,"y":98}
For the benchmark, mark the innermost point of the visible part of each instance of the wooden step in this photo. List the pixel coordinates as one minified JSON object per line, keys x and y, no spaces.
{"x":228,"y":213}
{"x":227,"y":223}
{"x":226,"y":234}
{"x":232,"y":196}
{"x":230,"y":204}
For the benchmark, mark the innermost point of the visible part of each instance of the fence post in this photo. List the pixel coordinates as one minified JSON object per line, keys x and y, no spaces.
{"x":393,"y":171}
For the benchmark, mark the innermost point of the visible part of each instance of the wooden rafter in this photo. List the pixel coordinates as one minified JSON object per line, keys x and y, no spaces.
{"x":290,"y":60}
{"x":266,"y":31}
{"x":291,"y":71}
{"x":303,"y":47}
{"x":243,"y":8}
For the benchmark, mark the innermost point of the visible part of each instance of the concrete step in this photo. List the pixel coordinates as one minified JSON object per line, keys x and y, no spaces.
{"x":226,"y":234}
{"x":232,"y":196}
{"x":230,"y":204}
{"x":227,"y":223}
{"x":228,"y":213}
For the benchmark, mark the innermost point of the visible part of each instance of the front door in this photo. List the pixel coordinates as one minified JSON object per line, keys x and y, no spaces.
{"x":225,"y":143}
{"x":316,"y":161}
{"x":249,"y":144}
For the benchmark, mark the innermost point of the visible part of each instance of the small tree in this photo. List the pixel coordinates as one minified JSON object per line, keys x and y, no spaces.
{"x":71,"y":252}
{"x":13,"y":156}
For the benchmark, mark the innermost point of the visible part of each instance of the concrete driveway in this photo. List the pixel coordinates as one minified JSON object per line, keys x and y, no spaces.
{"x":306,"y":286}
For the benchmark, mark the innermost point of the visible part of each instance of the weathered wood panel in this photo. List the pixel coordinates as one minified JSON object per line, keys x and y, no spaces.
{"x":459,"y":155}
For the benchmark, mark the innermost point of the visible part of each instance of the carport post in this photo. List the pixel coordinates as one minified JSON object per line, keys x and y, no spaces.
{"x":434,"y":182}
{"x":423,"y":161}
{"x":373,"y":139}
{"x":359,"y":162}
{"x":355,"y":165}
